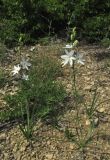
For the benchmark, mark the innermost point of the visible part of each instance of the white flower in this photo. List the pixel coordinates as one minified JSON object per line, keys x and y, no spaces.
{"x":79,"y":58}
{"x":25,"y":64}
{"x":68,"y":46}
{"x":16,"y":69}
{"x":25,"y":77}
{"x":68,"y":58}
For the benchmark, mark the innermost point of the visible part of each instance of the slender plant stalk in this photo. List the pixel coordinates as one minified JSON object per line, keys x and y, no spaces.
{"x":74,"y":78}
{"x":78,"y":129}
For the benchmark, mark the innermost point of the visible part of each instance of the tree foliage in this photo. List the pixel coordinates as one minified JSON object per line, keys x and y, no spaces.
{"x":36,"y":18}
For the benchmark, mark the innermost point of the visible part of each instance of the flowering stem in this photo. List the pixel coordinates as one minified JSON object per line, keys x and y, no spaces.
{"x":74,"y":78}
{"x":78,"y":125}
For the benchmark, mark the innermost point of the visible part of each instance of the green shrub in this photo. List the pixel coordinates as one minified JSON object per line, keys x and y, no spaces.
{"x":105,"y":42}
{"x":3,"y":52}
{"x":36,"y":19}
{"x":91,"y":17}
{"x":96,"y":28}
{"x":30,"y":18}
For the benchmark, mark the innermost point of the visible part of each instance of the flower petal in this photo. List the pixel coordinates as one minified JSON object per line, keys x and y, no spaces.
{"x":65,"y":62}
{"x":71,"y":53}
{"x":73,"y":58}
{"x":81,"y":62}
{"x":64,"y":57}
{"x":66,"y":51}
{"x":68,"y":46}
{"x":71,"y":62}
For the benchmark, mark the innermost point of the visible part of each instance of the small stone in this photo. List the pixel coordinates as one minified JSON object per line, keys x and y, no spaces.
{"x":69,"y":86}
{"x":88,"y":122}
{"x":87,"y":78}
{"x":88,"y":87}
{"x":17,"y":156}
{"x":6,"y":155}
{"x":2,"y":136}
{"x":71,"y":146}
{"x":52,"y":147}
{"x":22,"y":149}
{"x":49,"y":156}
{"x":32,"y":48}
{"x":101,"y":110}
{"x":48,"y":143}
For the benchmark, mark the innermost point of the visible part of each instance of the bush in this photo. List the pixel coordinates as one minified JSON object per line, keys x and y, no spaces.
{"x":30,"y":18}
{"x":96,"y":28}
{"x":36,"y":19}
{"x":92,"y":18}
{"x":3,"y":52}
{"x":105,"y":42}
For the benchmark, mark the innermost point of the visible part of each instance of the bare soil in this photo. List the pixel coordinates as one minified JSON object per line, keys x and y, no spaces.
{"x":48,"y":142}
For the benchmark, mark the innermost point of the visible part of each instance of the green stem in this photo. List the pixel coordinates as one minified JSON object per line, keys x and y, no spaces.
{"x":73,"y":79}
{"x":78,"y":127}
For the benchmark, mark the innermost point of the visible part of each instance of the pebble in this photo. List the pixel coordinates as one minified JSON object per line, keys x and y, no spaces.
{"x":22,"y":149}
{"x":17,"y":156}
{"x":71,"y":146}
{"x":2,"y":136}
{"x":48,"y":143}
{"x":49,"y":156}
{"x":6,"y":156}
{"x":101,"y":110}
{"x":87,"y":87}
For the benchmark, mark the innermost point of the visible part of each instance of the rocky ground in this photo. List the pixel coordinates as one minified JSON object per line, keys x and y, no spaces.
{"x":48,"y":142}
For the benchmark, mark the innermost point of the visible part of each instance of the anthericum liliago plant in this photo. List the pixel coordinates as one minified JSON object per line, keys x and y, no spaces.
{"x":71,"y":58}
{"x":21,"y":70}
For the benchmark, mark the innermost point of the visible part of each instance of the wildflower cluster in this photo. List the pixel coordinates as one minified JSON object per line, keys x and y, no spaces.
{"x":82,"y":135}
{"x":23,"y":67}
